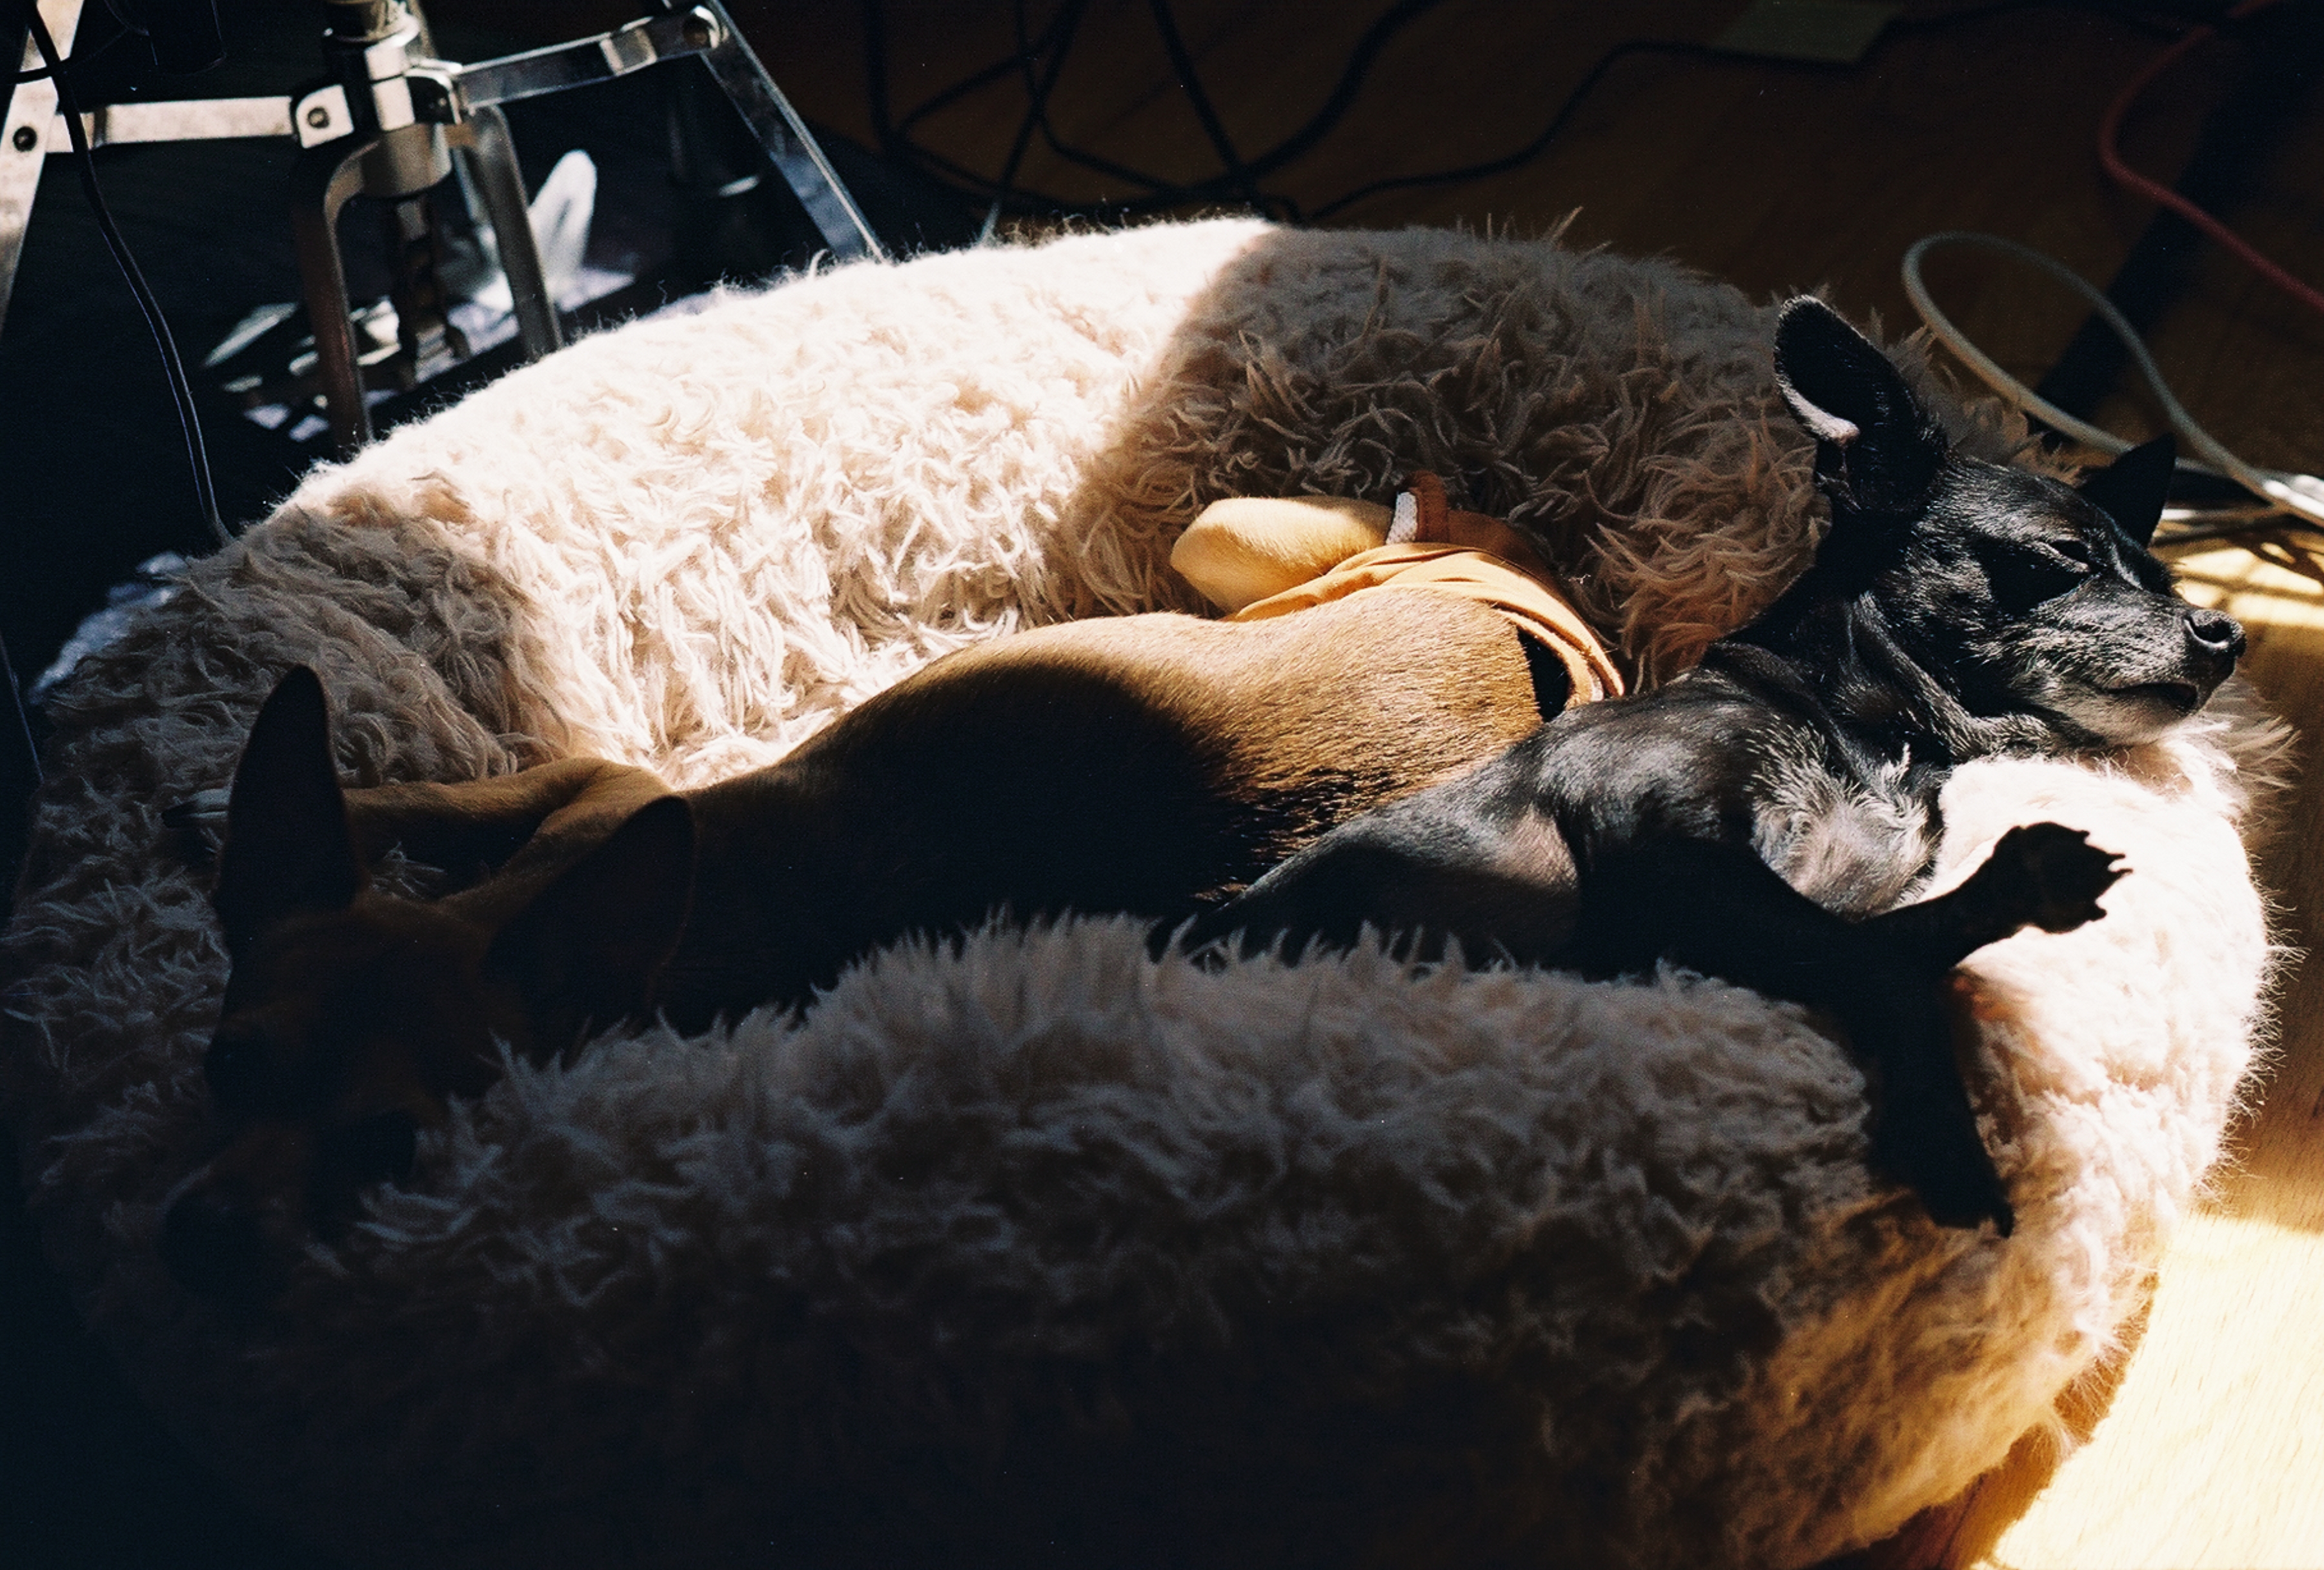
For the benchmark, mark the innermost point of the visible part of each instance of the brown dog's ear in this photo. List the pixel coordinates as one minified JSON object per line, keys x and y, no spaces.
{"x":288,"y":849}
{"x":588,"y":949}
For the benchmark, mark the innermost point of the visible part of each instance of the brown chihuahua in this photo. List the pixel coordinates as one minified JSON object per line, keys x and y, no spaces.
{"x":1148,"y":765}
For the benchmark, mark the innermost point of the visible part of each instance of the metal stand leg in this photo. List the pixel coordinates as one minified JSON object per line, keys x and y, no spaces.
{"x":484,"y":145}
{"x":24,"y":138}
{"x":789,"y":143}
{"x":321,"y":181}
{"x":383,"y":126}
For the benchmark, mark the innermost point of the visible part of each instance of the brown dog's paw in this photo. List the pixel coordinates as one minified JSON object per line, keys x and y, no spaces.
{"x":2053,"y":876}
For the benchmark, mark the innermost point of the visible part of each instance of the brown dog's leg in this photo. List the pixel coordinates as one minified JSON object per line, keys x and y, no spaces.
{"x":541,"y":818}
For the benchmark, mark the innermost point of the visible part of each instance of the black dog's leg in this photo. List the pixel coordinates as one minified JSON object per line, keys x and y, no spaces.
{"x":2042,"y":874}
{"x":1495,"y":879}
{"x":1719,"y":910}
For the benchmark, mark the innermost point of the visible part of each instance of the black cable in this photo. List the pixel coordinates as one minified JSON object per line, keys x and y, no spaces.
{"x":875,"y":34}
{"x":181,"y":391}
{"x":1158,"y":194}
{"x":1055,"y":42}
{"x":1336,"y":105}
{"x":23,"y":718}
{"x":1360,"y":59}
{"x":998,"y":70}
{"x":894,"y":136}
{"x":1241,"y":177}
{"x":1533,"y":148}
{"x":875,"y":82}
{"x":18,"y":78}
{"x":1153,"y":185}
{"x":2271,"y":84}
{"x":1182,"y":60}
{"x":1901,"y":27}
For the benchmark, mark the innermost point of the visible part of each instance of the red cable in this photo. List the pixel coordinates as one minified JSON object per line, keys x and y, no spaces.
{"x":2131,"y":179}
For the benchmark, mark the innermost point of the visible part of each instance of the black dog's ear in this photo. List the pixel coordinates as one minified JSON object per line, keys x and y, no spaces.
{"x":2132,"y":489}
{"x":1877,"y":449}
{"x":288,"y":847}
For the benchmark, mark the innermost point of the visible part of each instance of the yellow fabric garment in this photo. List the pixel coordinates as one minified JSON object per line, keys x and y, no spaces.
{"x":1538,"y":610}
{"x":1259,"y":559}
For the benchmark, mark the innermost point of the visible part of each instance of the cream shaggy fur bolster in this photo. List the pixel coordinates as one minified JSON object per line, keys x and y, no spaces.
{"x":1025,"y":1248}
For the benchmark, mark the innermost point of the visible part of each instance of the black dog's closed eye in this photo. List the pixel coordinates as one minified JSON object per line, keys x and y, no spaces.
{"x":2041,"y":570}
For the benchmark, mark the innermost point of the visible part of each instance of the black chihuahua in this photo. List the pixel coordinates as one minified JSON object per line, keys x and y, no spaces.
{"x":1749,"y":819}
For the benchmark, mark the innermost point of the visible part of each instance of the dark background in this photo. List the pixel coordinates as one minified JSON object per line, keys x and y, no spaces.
{"x":1777,"y":174}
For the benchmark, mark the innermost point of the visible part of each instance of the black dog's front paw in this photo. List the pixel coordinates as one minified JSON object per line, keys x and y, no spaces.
{"x":2042,"y":874}
{"x":2050,"y":876}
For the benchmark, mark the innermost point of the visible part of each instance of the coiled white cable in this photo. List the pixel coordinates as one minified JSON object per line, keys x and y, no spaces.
{"x":2300,"y":495}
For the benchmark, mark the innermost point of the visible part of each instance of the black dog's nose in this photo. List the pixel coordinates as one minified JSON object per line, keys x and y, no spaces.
{"x":2214,"y":632}
{"x":216,"y":1248}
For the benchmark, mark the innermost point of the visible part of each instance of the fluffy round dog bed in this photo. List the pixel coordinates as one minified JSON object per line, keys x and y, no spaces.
{"x":1030,"y":1248}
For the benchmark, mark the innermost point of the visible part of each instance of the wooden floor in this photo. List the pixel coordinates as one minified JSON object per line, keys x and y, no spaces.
{"x":2205,"y":1444}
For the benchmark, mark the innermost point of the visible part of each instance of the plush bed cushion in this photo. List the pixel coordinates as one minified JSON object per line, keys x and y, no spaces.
{"x":1027,"y":1247}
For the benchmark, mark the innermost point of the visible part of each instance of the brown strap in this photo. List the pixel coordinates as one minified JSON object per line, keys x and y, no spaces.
{"x":1428,"y":503}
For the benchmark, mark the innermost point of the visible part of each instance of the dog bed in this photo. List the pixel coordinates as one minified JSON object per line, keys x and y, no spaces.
{"x":1027,"y":1248}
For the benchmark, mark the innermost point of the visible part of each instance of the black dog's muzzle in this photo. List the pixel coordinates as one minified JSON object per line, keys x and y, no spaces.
{"x":2215,"y":643}
{"x":2215,"y":635}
